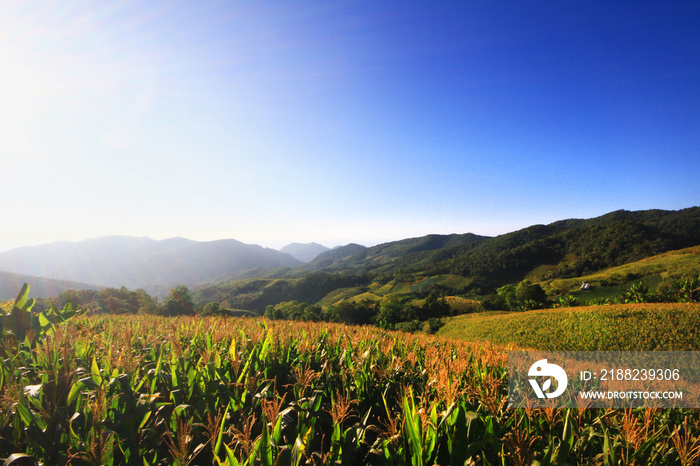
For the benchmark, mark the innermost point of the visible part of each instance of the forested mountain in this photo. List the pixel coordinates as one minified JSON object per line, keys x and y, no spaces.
{"x":249,"y":275}
{"x":567,"y":248}
{"x":328,"y":259}
{"x":140,"y":262}
{"x":466,"y":263}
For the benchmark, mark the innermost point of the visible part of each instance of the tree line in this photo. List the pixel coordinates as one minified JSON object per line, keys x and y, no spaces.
{"x":400,"y":312}
{"x":526,"y":295}
{"x":124,"y":301}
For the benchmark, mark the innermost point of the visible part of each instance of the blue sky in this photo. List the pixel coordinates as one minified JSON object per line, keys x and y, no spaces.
{"x":335,"y":122}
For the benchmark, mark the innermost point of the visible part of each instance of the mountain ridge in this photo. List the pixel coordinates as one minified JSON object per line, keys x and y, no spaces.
{"x":467,"y":264}
{"x":140,"y":262}
{"x":610,"y":239}
{"x":565,"y":248}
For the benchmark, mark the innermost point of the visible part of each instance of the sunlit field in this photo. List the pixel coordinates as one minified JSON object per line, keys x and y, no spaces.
{"x":152,"y":390}
{"x":616,"y":327}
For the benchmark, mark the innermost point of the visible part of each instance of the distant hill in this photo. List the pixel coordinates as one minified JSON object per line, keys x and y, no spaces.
{"x":140,"y":262}
{"x":11,"y":284}
{"x":334,"y":256}
{"x":304,"y":252}
{"x":469,"y":263}
{"x":568,"y":248}
{"x":465,"y":263}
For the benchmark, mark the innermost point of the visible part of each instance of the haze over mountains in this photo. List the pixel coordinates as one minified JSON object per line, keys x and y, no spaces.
{"x":11,"y":284}
{"x":140,"y":262}
{"x":561,"y":249}
{"x":304,"y":252}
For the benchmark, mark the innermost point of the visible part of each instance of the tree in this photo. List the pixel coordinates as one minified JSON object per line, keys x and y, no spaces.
{"x":213,"y":309}
{"x":390,"y":311}
{"x":434,"y":307}
{"x":523,"y":296}
{"x":179,"y":302}
{"x":530,"y":296}
{"x":311,"y":314}
{"x":506,"y":294}
{"x":145,"y":303}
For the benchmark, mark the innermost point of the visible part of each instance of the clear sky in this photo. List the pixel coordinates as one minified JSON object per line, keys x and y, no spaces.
{"x":352,"y":121}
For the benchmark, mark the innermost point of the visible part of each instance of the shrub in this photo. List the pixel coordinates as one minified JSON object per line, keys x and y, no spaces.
{"x":433,"y":325}
{"x":412,"y":326}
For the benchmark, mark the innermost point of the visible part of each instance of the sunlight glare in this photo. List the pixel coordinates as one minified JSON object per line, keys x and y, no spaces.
{"x":24,"y":92}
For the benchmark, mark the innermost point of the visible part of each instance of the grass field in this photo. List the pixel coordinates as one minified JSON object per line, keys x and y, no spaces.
{"x":624,"y":327}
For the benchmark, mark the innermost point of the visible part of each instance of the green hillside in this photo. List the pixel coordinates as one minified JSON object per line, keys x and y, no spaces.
{"x":256,"y":293}
{"x":651,"y":270}
{"x":622,"y":327}
{"x":564,"y":249}
{"x":609,"y":251}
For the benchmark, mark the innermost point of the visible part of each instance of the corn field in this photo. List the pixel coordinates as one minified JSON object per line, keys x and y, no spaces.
{"x":139,"y":390}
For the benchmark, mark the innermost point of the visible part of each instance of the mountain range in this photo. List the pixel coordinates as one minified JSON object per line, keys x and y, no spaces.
{"x":153,"y":265}
{"x":566,"y":248}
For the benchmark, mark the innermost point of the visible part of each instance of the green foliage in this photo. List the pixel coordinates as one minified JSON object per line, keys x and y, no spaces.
{"x":567,"y":301}
{"x":178,"y":303}
{"x":434,"y":307}
{"x":530,"y":296}
{"x":636,"y":293}
{"x":433,"y":325}
{"x":410,"y":326}
{"x":213,"y":309}
{"x":145,"y":390}
{"x":390,"y":311}
{"x":523,"y":296}
{"x":110,"y":300}
{"x":25,"y":326}
{"x":351,"y":312}
{"x":682,"y":290}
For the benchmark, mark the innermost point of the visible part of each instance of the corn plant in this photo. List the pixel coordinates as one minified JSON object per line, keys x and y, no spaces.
{"x":235,"y":391}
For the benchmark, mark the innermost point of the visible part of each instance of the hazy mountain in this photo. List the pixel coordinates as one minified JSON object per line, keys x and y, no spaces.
{"x":567,"y":248}
{"x":140,"y":262}
{"x":304,"y":252}
{"x":11,"y":284}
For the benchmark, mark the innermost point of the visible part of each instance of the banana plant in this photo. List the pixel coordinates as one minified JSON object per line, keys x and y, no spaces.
{"x":567,"y":301}
{"x":636,"y":293}
{"x":30,"y":327}
{"x":684,"y":290}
